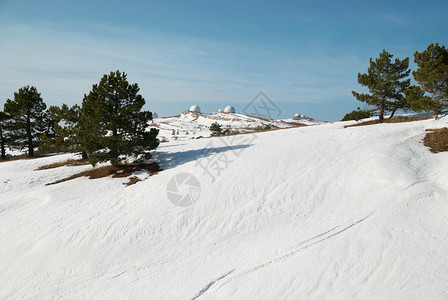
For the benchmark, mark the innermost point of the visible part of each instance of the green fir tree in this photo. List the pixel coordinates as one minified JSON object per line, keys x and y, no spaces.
{"x":357,"y":114}
{"x":66,"y":127}
{"x":112,"y":124}
{"x":432,"y":76}
{"x":26,"y":119}
{"x":386,"y":82}
{"x":216,"y":129}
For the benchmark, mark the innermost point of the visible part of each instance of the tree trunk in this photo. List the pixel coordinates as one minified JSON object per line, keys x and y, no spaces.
{"x":393,"y":112}
{"x":114,"y":150}
{"x":2,"y":144}
{"x":84,"y":155}
{"x":30,"y":137}
{"x":381,"y":114}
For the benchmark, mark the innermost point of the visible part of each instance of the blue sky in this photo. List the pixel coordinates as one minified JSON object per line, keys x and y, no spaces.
{"x":305,"y":56}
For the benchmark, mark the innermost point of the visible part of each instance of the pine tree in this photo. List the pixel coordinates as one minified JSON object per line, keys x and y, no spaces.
{"x":64,"y":135}
{"x":111,"y":123}
{"x":384,"y":79}
{"x":432,"y":76}
{"x":419,"y":102}
{"x":216,"y":129}
{"x":27,"y":119}
{"x":357,"y":114}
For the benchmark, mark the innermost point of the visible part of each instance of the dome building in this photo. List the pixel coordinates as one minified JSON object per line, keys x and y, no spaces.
{"x":220,"y":110}
{"x":154,"y":115}
{"x":195,"y":109}
{"x":229,"y":109}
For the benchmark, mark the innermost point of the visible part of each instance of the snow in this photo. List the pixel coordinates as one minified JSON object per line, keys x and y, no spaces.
{"x":307,"y":212}
{"x":190,"y":125}
{"x":303,"y":121}
{"x":15,"y":152}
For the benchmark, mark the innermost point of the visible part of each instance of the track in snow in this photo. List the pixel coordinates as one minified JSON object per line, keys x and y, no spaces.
{"x":333,"y":232}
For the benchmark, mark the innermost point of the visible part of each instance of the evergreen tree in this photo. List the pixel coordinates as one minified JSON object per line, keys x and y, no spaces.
{"x":384,"y":79}
{"x":357,"y":115}
{"x":65,"y":130}
{"x":432,"y":76}
{"x":48,"y":124}
{"x":216,"y":129}
{"x":419,"y":102}
{"x":3,"y":120}
{"x":111,"y":123}
{"x":27,"y":119}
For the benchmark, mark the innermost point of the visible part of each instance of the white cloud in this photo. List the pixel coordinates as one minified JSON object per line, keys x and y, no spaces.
{"x":63,"y":63}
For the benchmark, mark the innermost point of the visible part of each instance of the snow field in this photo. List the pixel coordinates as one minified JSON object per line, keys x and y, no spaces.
{"x":311,"y":212}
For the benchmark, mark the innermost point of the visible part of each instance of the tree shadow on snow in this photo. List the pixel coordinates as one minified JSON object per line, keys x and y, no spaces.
{"x":171,"y":160}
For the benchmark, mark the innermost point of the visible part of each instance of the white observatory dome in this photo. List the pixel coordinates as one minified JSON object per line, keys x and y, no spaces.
{"x":297,"y":115}
{"x":229,"y":109}
{"x":220,"y":110}
{"x":154,"y":115}
{"x":195,"y":109}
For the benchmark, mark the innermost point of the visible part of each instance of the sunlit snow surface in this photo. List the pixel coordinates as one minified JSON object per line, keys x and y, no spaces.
{"x":310,"y":212}
{"x":192,"y":125}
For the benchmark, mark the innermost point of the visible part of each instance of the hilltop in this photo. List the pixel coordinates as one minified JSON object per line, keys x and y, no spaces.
{"x":190,"y":125}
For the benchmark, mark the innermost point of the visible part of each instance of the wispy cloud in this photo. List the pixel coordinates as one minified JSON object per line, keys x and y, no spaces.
{"x":64,"y":63}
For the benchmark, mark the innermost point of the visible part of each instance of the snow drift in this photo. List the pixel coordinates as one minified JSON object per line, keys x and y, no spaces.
{"x":310,"y":212}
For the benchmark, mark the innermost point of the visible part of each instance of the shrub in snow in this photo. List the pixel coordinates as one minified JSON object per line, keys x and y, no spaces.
{"x":216,"y":129}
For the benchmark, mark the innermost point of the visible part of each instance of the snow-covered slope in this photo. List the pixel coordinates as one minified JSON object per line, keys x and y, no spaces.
{"x":302,"y":121}
{"x":190,"y":125}
{"x":310,"y":212}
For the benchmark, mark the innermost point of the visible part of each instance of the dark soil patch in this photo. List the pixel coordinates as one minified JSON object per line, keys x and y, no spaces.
{"x":115,"y":172}
{"x":436,"y":140}
{"x":22,"y":157}
{"x":251,"y":130}
{"x":393,"y":120}
{"x":132,"y":180}
{"x":68,"y":162}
